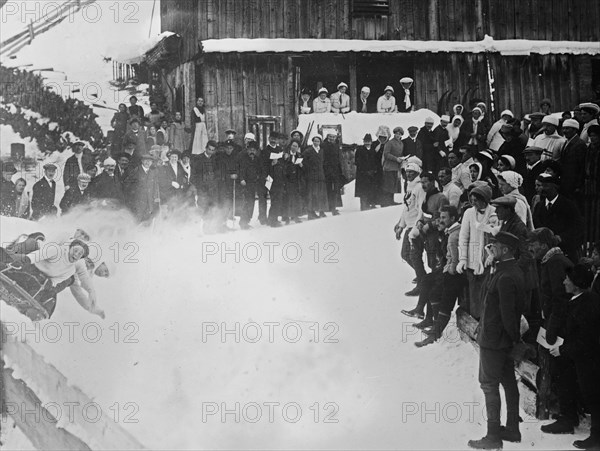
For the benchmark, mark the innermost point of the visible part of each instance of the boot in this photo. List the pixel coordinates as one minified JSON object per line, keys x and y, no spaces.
{"x":510,"y":434}
{"x":312,"y":215}
{"x":414,"y":292}
{"x":414,"y":313}
{"x":487,"y":442}
{"x":429,"y":340}
{"x":427,"y":322}
{"x":491,"y":441}
{"x":561,"y":426}
{"x":589,"y":443}
{"x":322,"y":214}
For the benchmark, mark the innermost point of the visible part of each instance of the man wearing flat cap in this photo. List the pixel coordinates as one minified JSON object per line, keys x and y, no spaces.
{"x":559,"y":214}
{"x":43,"y":194}
{"x":589,"y":117}
{"x":340,"y":101}
{"x":499,"y":333}
{"x":549,"y":139}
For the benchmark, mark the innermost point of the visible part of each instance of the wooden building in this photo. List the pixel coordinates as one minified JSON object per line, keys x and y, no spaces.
{"x":244,"y":87}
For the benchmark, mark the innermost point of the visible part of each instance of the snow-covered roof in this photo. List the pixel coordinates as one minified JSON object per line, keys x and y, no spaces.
{"x":132,"y":52}
{"x":488,"y":44}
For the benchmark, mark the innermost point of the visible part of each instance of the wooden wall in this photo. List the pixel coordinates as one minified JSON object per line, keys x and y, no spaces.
{"x":453,"y":20}
{"x":236,"y":86}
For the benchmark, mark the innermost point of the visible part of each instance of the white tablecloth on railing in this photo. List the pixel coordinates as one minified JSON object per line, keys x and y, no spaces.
{"x":356,"y":125}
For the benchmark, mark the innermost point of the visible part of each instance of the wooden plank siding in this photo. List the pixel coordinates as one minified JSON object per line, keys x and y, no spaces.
{"x":452,"y":20}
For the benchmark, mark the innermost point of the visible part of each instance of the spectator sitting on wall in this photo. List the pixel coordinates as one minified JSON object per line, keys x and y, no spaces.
{"x":322,"y":104}
{"x":387,"y":102}
{"x":305,"y":105}
{"x":363,"y":105}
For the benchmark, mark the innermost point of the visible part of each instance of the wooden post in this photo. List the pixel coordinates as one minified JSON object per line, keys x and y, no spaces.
{"x":433,"y":22}
{"x":354,"y":90}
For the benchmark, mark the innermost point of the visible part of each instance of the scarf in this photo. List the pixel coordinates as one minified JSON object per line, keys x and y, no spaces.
{"x":407,"y":102}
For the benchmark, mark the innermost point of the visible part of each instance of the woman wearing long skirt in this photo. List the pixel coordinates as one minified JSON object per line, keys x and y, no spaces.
{"x":293,"y":179}
{"x":315,"y":179}
{"x":200,"y":133}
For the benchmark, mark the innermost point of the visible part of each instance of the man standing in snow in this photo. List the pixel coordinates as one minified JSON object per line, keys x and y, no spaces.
{"x":499,"y":333}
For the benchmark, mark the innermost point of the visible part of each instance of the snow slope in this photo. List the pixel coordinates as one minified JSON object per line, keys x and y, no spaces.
{"x":157,"y":357}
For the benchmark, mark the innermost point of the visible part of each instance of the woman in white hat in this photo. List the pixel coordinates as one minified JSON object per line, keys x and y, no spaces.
{"x":322,"y":104}
{"x":549,"y":139}
{"x":387,"y":102}
{"x":494,"y":138}
{"x":340,"y":101}
{"x":406,"y":105}
{"x":364,"y":105}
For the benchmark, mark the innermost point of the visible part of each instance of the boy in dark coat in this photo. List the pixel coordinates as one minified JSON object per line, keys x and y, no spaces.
{"x":43,"y":194}
{"x":366,"y":163}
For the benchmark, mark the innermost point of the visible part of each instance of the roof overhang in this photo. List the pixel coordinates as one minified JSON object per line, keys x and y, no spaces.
{"x":488,"y":44}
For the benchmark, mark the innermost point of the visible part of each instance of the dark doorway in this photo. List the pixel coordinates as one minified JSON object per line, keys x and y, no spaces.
{"x":319,"y":69}
{"x":380,"y":70}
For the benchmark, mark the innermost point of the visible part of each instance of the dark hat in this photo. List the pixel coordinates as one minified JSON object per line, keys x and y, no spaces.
{"x":229,"y":131}
{"x":548,"y":178}
{"x":368,"y":137}
{"x":581,"y":276}
{"x":505,"y":201}
{"x":8,"y":167}
{"x":543,"y":235}
{"x":413,"y":128}
{"x":78,"y":143}
{"x":306,"y":91}
{"x":50,"y":166}
{"x":533,"y":149}
{"x":506,"y":238}
{"x":488,"y":154}
{"x":484,"y":191}
{"x":253,"y":145}
{"x":187,"y":153}
{"x":124,"y":155}
{"x":146,"y":156}
{"x":546,"y":102}
{"x":506,"y":128}
{"x":174,"y":152}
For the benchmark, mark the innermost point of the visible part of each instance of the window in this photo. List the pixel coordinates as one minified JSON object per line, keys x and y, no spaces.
{"x":367,"y":8}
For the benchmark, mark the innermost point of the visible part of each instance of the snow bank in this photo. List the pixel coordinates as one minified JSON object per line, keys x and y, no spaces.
{"x":356,"y":125}
{"x":487,"y":44}
{"x":339,"y":369}
{"x":133,"y":52}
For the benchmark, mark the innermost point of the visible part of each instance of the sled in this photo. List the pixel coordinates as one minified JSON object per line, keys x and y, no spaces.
{"x":14,"y":295}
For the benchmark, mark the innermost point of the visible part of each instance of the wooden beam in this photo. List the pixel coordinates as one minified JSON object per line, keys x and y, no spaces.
{"x":30,"y":416}
{"x":353,"y":90}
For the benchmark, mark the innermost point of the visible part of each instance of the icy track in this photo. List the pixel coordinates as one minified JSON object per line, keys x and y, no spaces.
{"x":316,"y":354}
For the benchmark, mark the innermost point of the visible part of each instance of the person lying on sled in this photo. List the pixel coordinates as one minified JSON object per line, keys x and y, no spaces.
{"x":53,"y":267}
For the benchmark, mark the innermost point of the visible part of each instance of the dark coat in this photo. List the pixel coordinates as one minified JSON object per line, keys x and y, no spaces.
{"x":502,"y":307}
{"x":143,"y":192}
{"x":166,"y":178}
{"x":139,"y":140}
{"x":366,"y":171}
{"x":553,"y":297}
{"x":73,"y":197}
{"x":8,"y":198}
{"x":136,"y":110}
{"x":529,"y":177}
{"x":106,"y":187}
{"x":413,"y":148}
{"x":71,"y":169}
{"x":431,"y":155}
{"x":294,"y":188}
{"x":205,"y":172}
{"x":564,"y":220}
{"x":42,"y":199}
{"x":315,"y":179}
{"x":572,"y":160}
{"x":332,"y":162}
{"x":524,"y":258}
{"x":252,"y":171}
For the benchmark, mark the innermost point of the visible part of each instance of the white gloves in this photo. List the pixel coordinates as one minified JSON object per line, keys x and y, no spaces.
{"x":461,"y":266}
{"x":175,"y":185}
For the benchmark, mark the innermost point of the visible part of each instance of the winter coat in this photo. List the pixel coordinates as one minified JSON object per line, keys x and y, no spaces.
{"x":167,"y":178}
{"x":315,"y":179}
{"x":412,"y":147}
{"x":340,"y":103}
{"x":572,"y":160}
{"x":178,"y":136}
{"x":553,"y":297}
{"x":73,"y":197}
{"x":321,"y":106}
{"x":71,"y":169}
{"x":385,"y":105}
{"x":391,"y":151}
{"x":430,"y":153}
{"x":366,"y":169}
{"x":581,"y":328}
{"x":413,"y":201}
{"x":105,"y":187}
{"x":452,"y":193}
{"x":452,"y":248}
{"x":332,"y":163}
{"x":552,"y":145}
{"x":474,"y":236}
{"x":42,"y":198}
{"x":143,"y":192}
{"x":564,"y":219}
{"x":502,"y":307}
{"x":524,"y":258}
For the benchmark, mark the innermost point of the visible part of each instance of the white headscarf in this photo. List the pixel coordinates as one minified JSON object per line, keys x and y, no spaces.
{"x":453,"y":131}
{"x":514,"y":179}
